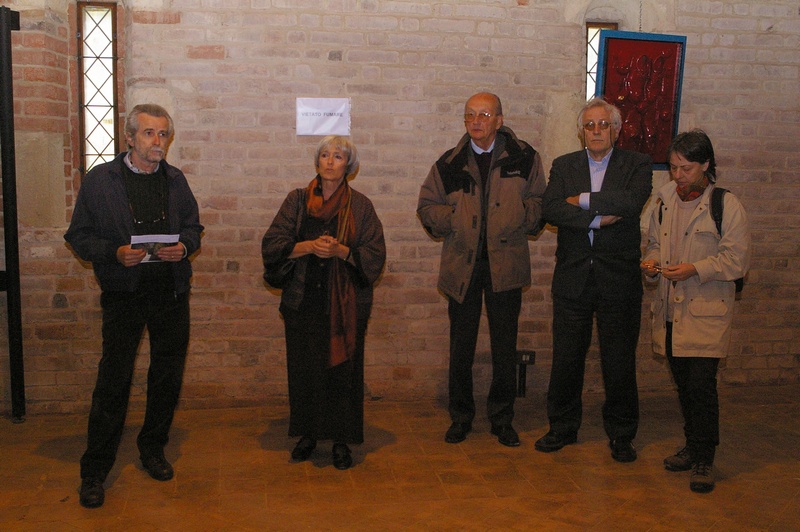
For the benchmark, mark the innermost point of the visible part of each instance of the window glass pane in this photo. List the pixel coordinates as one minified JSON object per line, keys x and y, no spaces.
{"x":592,"y":50}
{"x":98,"y":95}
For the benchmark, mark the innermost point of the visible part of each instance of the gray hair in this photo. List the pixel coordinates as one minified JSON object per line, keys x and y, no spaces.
{"x":345,"y":145}
{"x":152,"y":109}
{"x":612,"y":110}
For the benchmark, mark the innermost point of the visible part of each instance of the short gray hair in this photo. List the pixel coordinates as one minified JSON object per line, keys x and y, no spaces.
{"x":152,"y":109}
{"x":346,"y":146}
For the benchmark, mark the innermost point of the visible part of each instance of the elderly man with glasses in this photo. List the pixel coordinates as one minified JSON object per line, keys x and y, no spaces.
{"x":483,"y":197}
{"x":595,"y":198}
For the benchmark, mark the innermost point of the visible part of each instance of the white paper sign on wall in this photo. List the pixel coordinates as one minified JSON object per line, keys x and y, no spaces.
{"x":323,"y":116}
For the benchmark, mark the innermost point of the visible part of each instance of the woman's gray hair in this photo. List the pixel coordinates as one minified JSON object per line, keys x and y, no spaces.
{"x":346,"y":146}
{"x":132,"y":122}
{"x":612,"y":110}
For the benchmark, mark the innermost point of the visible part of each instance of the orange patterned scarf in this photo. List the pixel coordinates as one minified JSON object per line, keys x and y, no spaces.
{"x":693,"y":191}
{"x":343,"y":292}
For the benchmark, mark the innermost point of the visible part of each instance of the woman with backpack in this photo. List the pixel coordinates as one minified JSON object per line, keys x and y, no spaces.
{"x":696,"y":266}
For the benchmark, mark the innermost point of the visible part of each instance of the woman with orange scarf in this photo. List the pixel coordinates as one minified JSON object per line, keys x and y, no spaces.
{"x":336,"y":240}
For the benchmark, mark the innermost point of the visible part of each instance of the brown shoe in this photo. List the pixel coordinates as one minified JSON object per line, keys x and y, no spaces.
{"x":702,"y":479}
{"x":680,"y":461}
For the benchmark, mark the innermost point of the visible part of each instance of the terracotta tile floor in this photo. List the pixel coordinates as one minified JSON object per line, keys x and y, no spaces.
{"x":233,"y":473}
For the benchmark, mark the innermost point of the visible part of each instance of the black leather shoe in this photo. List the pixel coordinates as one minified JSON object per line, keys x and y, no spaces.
{"x":303,"y":449}
{"x":341,"y":456}
{"x":506,"y":435}
{"x":622,"y":450}
{"x":553,"y":441}
{"x":457,"y":432}
{"x":157,"y":467}
{"x":92,"y":493}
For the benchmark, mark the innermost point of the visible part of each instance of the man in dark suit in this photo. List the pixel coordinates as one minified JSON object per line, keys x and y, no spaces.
{"x":595,"y":197}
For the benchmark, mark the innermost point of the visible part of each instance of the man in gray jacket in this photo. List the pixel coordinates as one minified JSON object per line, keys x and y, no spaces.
{"x":483,"y":197}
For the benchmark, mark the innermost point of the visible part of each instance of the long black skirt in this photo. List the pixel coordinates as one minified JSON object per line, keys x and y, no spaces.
{"x":324,"y":403}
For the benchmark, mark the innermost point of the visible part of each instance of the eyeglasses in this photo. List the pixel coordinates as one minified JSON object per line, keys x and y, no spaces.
{"x":140,"y":222}
{"x":471,"y":117}
{"x":589,"y":126}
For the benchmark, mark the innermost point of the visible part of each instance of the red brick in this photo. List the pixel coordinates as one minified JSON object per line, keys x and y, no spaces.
{"x":205,"y":52}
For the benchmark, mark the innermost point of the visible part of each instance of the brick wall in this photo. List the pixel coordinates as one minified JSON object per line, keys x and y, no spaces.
{"x":230,"y":72}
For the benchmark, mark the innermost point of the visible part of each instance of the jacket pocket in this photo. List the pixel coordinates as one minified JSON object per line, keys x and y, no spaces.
{"x":706,"y":329}
{"x":702,"y":308}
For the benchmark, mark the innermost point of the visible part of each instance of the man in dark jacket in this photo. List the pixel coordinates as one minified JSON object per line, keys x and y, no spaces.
{"x":484,"y":198}
{"x":143,"y":285}
{"x":595,"y":198}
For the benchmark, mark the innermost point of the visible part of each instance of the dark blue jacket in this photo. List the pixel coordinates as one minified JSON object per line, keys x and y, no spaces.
{"x":102,"y":222}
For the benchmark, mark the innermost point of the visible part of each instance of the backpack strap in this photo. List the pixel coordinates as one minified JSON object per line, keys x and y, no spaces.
{"x":660,"y":207}
{"x":717,"y":206}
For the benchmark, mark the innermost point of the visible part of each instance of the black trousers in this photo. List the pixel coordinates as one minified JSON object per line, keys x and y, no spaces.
{"x":125,"y":315}
{"x":618,"y":323}
{"x":696,"y":380}
{"x":502,"y":309}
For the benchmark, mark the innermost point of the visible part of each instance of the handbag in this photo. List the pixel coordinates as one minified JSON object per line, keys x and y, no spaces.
{"x":279,"y":274}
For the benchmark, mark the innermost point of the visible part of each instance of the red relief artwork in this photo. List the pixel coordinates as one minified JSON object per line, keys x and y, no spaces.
{"x":642,"y":78}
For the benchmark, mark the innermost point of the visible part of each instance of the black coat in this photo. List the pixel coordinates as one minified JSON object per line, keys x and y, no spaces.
{"x":616,"y":252}
{"x":102,"y":222}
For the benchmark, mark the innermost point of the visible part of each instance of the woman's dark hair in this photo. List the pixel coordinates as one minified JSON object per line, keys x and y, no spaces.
{"x":695,"y":146}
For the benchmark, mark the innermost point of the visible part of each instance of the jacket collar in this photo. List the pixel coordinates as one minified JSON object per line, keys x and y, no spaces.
{"x":505,"y":144}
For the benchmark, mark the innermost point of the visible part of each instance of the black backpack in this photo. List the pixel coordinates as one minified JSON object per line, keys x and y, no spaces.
{"x":717,"y":208}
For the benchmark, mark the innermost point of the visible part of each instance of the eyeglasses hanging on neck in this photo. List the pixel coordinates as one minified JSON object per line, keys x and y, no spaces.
{"x":140,"y":222}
